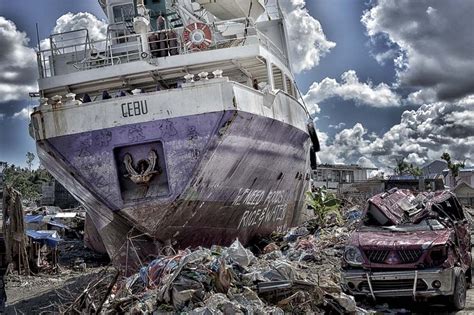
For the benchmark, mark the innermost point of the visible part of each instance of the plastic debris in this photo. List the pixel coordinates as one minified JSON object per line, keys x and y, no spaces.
{"x":240,"y":254}
{"x":293,"y":272}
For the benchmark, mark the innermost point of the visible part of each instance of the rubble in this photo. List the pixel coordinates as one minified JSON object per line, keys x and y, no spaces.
{"x":295,"y":272}
{"x":298,"y":271}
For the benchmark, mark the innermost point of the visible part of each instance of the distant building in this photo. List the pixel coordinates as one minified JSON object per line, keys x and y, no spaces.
{"x":432,"y":178}
{"x":54,"y":194}
{"x":466,"y":175}
{"x":437,"y":167}
{"x":465,"y":193}
{"x":347,"y":180}
{"x":436,"y":176}
{"x":462,"y":185}
{"x":426,"y":182}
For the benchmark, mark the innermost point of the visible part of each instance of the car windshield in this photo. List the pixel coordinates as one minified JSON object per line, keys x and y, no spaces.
{"x":425,"y":225}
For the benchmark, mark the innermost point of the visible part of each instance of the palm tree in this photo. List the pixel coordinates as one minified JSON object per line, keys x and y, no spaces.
{"x":402,"y":167}
{"x":29,"y":159}
{"x":454,"y":167}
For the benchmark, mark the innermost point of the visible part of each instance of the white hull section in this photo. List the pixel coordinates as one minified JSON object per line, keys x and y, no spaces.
{"x":192,"y":99}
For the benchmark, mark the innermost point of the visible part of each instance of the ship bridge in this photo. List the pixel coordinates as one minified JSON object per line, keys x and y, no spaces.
{"x":152,"y":45}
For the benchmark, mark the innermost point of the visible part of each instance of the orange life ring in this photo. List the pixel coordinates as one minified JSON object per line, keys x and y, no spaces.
{"x":197,"y":36}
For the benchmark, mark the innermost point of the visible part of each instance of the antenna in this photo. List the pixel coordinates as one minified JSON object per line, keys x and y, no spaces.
{"x":38,"y":37}
{"x":279,"y":9}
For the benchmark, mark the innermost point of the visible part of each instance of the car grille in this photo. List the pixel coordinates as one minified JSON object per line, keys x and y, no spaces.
{"x":383,"y":285}
{"x":377,"y":256}
{"x":407,"y":256}
{"x":410,"y":255}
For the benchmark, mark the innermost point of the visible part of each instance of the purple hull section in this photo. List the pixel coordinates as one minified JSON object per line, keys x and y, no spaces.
{"x":216,"y":176}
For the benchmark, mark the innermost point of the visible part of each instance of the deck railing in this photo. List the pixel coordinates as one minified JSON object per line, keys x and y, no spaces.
{"x":74,"y":51}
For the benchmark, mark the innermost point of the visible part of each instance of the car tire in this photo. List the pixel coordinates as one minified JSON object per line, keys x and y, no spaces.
{"x":457,"y":301}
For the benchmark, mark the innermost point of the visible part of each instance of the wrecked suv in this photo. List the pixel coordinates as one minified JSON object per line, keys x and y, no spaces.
{"x":410,"y":245}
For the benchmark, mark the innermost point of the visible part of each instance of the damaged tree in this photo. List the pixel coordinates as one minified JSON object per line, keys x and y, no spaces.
{"x":14,"y":231}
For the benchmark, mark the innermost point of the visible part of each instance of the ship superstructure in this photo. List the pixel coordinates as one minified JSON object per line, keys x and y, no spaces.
{"x":184,"y":126}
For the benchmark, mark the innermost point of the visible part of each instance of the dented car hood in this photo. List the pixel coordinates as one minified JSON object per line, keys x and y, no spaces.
{"x":394,"y":240}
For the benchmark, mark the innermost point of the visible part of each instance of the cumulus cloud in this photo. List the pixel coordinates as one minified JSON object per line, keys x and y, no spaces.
{"x":382,"y":57}
{"x":421,"y":97}
{"x":25,"y":113}
{"x":18,"y":68}
{"x":338,"y":126}
{"x":365,"y":162}
{"x":2,"y":116}
{"x":307,"y":43}
{"x":83,"y":20}
{"x":97,"y":29}
{"x":351,"y":88}
{"x":421,"y":136}
{"x":435,"y":43}
{"x":18,"y":71}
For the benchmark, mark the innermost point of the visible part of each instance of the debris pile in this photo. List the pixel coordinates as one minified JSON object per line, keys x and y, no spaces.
{"x":293,"y":272}
{"x":47,"y":228}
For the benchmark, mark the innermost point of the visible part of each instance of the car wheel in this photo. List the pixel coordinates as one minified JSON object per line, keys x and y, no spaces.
{"x":458,"y":300}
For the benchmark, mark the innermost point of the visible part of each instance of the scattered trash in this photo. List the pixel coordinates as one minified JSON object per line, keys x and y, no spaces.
{"x":294,"y":272}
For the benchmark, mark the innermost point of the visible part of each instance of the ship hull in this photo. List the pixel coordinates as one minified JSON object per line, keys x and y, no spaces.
{"x":219,"y":176}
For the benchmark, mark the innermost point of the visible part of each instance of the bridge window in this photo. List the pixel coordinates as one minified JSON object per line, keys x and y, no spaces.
{"x":290,"y":87}
{"x":278,"y":78}
{"x":123,"y":13}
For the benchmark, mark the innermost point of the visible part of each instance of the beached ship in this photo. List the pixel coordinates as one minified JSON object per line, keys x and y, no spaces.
{"x":183,"y":127}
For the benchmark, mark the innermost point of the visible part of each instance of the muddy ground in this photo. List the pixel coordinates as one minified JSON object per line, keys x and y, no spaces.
{"x":43,"y":293}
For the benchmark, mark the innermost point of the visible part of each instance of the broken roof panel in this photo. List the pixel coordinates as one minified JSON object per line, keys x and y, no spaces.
{"x":33,"y":218}
{"x":49,"y":238}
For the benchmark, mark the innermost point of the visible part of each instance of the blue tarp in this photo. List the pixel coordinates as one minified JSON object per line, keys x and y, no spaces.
{"x":33,"y":218}
{"x":41,"y":219}
{"x":57,"y":224}
{"x":50,"y":238}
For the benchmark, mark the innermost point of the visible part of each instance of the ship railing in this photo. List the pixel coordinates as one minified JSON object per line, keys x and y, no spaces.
{"x":124,"y":47}
{"x":67,"y":42}
{"x":272,"y":48}
{"x":75,"y":43}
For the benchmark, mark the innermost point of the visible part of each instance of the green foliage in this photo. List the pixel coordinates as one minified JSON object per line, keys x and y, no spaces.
{"x":30,"y":157}
{"x":454,"y":167}
{"x":324,"y":203}
{"x":27,"y":182}
{"x":415,"y":171}
{"x":402,"y":167}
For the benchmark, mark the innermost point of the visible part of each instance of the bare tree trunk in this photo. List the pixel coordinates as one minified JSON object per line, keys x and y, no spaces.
{"x":14,"y":230}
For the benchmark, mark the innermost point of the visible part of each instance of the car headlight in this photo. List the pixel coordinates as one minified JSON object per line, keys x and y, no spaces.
{"x":353,"y":256}
{"x":438,"y":255}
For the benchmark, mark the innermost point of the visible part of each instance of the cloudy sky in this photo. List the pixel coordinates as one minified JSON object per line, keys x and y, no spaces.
{"x":385,"y":79}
